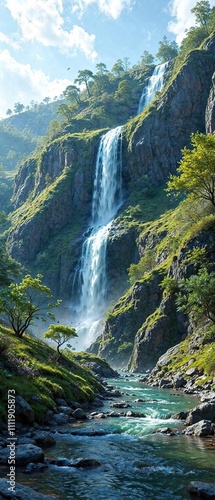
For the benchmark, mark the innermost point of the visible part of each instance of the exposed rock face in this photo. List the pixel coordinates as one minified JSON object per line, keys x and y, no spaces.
{"x":156,"y":144}
{"x":210,"y":109}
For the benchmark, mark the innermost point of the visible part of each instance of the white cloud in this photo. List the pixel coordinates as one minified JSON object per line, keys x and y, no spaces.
{"x":8,"y":41}
{"x":42,"y":21}
{"x":111,"y":8}
{"x":184,"y":19}
{"x":19,"y":82}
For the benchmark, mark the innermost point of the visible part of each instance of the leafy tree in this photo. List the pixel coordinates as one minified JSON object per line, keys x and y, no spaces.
{"x":72,"y":93}
{"x":124,"y":91}
{"x":146,"y":263}
{"x":9,"y":268}
{"x":24,"y":302}
{"x":18,"y":107}
{"x":85,"y":76}
{"x":197,"y":295}
{"x":60,"y":334}
{"x":202,"y":11}
{"x":67,"y":111}
{"x":101,"y":69}
{"x":118,"y":67}
{"x":167,"y":50}
{"x":196,"y":171}
{"x":9,"y":112}
{"x":146,"y":59}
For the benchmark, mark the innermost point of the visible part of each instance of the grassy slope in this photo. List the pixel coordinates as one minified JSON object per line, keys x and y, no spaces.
{"x":28,"y":365}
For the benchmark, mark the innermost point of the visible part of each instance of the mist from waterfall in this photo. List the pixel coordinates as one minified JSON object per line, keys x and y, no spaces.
{"x":155,"y":84}
{"x":91,"y":279}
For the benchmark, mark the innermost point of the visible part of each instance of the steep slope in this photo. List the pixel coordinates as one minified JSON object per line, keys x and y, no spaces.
{"x":53,"y":195}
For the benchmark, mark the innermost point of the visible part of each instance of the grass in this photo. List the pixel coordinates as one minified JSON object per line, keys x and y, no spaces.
{"x":29,"y":366}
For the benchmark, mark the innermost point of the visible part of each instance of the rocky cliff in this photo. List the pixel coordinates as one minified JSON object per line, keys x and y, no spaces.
{"x":49,"y":223}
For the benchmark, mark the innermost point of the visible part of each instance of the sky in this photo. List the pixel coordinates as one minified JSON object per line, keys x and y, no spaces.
{"x":44,"y":43}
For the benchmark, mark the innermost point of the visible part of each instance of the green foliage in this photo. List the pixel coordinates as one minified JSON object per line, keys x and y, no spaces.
{"x":9,"y":268}
{"x":43,"y":380}
{"x":60,"y":334}
{"x":146,"y":59}
{"x":167,"y":50}
{"x":125,"y":347}
{"x":197,"y":295}
{"x":202,"y":12}
{"x":85,"y":76}
{"x":169,"y":285}
{"x":196,"y":172}
{"x":146,"y":263}
{"x":24,"y":302}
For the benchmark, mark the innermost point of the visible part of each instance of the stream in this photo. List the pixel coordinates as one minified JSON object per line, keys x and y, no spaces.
{"x":135,"y":463}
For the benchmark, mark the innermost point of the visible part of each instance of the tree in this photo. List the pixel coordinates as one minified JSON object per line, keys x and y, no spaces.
{"x":60,"y":334}
{"x":101,"y":69}
{"x":124,"y":91}
{"x":23,"y":303}
{"x":202,"y":12}
{"x":9,"y":112}
{"x":196,"y":171}
{"x":197,"y":295}
{"x":18,"y":107}
{"x":72,"y":93}
{"x":67,"y":111}
{"x":118,"y":67}
{"x":167,"y":50}
{"x":146,"y":59}
{"x":85,"y":76}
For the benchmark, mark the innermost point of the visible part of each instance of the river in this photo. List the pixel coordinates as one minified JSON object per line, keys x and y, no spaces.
{"x":135,"y":463}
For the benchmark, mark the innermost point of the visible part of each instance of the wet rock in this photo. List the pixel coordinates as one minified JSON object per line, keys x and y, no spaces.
{"x":192,"y":371}
{"x":205,"y":411}
{"x":35,"y":468}
{"x":202,"y":490}
{"x":166,"y":383}
{"x":178,"y":380}
{"x":22,"y":492}
{"x":164,"y":430}
{"x":65,"y":409}
{"x":85,"y":463}
{"x":24,"y":412}
{"x":79,"y":414}
{"x":60,"y":418}
{"x":200,"y":429}
{"x":121,"y":404}
{"x":24,"y":453}
{"x":181,"y":415}
{"x":45,"y":439}
{"x":135,"y":414}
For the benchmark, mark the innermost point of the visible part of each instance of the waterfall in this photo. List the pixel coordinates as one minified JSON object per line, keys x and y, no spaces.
{"x":155,"y":84}
{"x":91,"y":277}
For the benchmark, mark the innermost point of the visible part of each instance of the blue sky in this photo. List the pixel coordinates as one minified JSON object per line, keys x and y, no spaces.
{"x":44,"y":43}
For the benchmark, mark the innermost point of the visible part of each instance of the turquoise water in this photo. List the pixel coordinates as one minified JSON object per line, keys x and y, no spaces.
{"x":135,"y":464}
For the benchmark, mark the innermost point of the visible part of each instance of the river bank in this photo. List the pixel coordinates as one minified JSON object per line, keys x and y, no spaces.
{"x":127,"y":443}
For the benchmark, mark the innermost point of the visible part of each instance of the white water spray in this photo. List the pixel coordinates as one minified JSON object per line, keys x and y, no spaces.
{"x":155,"y":84}
{"x":107,"y":198}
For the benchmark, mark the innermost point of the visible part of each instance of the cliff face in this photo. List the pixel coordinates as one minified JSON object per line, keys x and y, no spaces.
{"x":50,"y":222}
{"x":156,"y":142}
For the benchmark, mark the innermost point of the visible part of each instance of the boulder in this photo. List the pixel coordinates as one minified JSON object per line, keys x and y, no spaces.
{"x":178,"y":380}
{"x":60,"y":418}
{"x":24,"y":412}
{"x":22,"y":492}
{"x":24,"y":454}
{"x":164,"y":430}
{"x":200,"y":429}
{"x":79,"y":414}
{"x":205,"y":411}
{"x":43,"y":438}
{"x":85,"y":463}
{"x":135,"y":414}
{"x":202,"y":490}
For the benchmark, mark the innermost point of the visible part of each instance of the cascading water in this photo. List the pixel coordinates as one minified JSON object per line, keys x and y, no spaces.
{"x":107,"y":198}
{"x":155,"y":84}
